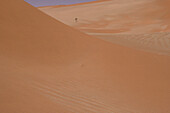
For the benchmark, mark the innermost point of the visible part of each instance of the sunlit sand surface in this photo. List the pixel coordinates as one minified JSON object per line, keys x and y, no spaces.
{"x":49,"y":67}
{"x":128,"y":17}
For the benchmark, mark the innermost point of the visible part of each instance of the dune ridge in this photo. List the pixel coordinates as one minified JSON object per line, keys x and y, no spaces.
{"x":57,"y":6}
{"x":46,"y":67}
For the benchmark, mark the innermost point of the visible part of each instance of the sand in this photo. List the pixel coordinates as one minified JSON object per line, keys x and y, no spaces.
{"x":158,"y":43}
{"x":127,"y":17}
{"x":47,"y":66}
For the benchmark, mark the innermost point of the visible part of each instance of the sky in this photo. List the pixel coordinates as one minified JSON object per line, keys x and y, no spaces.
{"x":38,"y":3}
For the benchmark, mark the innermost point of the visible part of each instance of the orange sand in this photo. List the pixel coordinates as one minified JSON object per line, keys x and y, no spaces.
{"x":128,"y":17}
{"x":49,"y":67}
{"x":137,"y":16}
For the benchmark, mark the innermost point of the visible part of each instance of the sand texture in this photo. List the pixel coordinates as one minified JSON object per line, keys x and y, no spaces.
{"x":49,"y":67}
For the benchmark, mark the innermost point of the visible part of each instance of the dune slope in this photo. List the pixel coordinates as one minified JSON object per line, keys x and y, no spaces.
{"x":143,"y":23}
{"x":115,"y":16}
{"x":158,"y":43}
{"x":46,"y":67}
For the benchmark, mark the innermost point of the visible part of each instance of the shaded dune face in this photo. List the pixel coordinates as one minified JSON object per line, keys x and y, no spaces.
{"x":108,"y":19}
{"x":46,"y":67}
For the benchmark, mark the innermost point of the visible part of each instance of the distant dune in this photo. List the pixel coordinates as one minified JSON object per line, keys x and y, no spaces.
{"x":128,"y":17}
{"x":49,"y":67}
{"x":41,"y":3}
{"x":152,"y":42}
{"x":116,"y":16}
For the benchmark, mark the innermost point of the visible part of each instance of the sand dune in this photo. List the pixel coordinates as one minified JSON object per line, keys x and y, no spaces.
{"x":132,"y":18}
{"x":116,"y":16}
{"x":47,"y":67}
{"x":152,"y":42}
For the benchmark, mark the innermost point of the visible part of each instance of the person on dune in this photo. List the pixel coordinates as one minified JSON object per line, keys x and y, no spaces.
{"x":76,"y":20}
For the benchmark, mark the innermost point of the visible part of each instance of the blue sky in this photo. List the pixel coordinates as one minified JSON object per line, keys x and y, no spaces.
{"x":38,"y":3}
